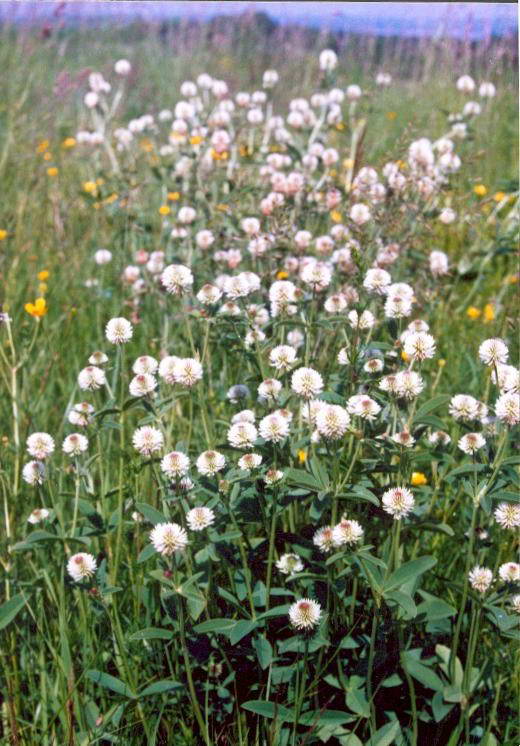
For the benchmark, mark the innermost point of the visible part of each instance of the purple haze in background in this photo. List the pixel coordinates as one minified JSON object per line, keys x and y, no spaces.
{"x":462,"y":20}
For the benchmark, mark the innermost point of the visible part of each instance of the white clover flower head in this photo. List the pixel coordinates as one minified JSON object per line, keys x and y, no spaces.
{"x":187,"y":215}
{"x":242,"y":434}
{"x":200,"y":518}
{"x":419,"y":346}
{"x":209,"y":295}
{"x":81,"y":414}
{"x":273,"y":476}
{"x":98,"y":358}
{"x":439,"y":437}
{"x":147,"y":440}
{"x":353,"y":92}
{"x":508,"y":379}
{"x":389,"y":384}
{"x":480,"y":578}
{"x":398,"y":306}
{"x":376,"y":281}
{"x":464,"y":407}
{"x":332,"y":421}
{"x":274,"y":428}
{"x":245,"y":415}
{"x":282,"y":357}
{"x":175,"y":464}
{"x":167,"y":368}
{"x":507,"y":408}
{"x":269,"y":389}
{"x":373,"y":365}
{"x":335,"y":303}
{"x":187,"y":371}
{"x":471,"y":443}
{"x":317,"y":275}
{"x":122,"y":67}
{"x":142,"y":385}
{"x":439,"y":263}
{"x":465,"y":84}
{"x":169,"y":539}
{"x":447,"y":215}
{"x":487,"y":90}
{"x":145,"y":365}
{"x":177,"y":279}
{"x":38,"y":515}
{"x":398,"y":502}
{"x":515,"y":603}
{"x":33,"y":472}
{"x":40,"y":445}
{"x":81,"y":566}
{"x":304,"y":614}
{"x":289,"y":564}
{"x":102,"y":256}
{"x":250,"y":461}
{"x":346,"y":532}
{"x":493,"y":352}
{"x":359,"y":214}
{"x":210,"y":462}
{"x":507,"y":515}
{"x":404,"y":439}
{"x":509,"y":572}
{"x":328,"y":60}
{"x":251,"y":226}
{"x":119,"y":331}
{"x":75,"y":444}
{"x":362,"y":321}
{"x":361,"y":405}
{"x":323,"y":539}
{"x":307,"y":382}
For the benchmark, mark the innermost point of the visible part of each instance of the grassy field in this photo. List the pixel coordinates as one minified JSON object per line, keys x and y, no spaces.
{"x":207,"y":644}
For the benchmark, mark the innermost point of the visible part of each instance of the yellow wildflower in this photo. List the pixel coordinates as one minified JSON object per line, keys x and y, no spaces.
{"x":391,"y":115}
{"x":43,"y":275}
{"x":418,"y":479}
{"x":42,"y":146}
{"x":52,"y":171}
{"x":489,"y":313}
{"x":47,"y":156}
{"x":164,"y":210}
{"x":282,"y":275}
{"x":302,"y":456}
{"x":3,"y":234}
{"x":480,"y":190}
{"x":404,"y":356}
{"x":42,"y":288}
{"x":441,"y":363}
{"x":340,"y":126}
{"x":112,"y":198}
{"x":196,"y":139}
{"x":37,"y":309}
{"x":499,"y":196}
{"x":89,"y":187}
{"x":174,"y":196}
{"x":473,"y":312}
{"x":348,"y":163}
{"x":335,"y":216}
{"x":69,"y":142}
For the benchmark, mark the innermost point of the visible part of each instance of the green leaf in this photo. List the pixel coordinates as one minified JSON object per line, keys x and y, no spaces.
{"x":242,"y":628}
{"x":264,"y":652}
{"x":146,"y":553}
{"x":151,"y":633}
{"x":110,"y":682}
{"x":439,"y":707}
{"x":221,"y":626}
{"x":358,"y":703}
{"x":159,"y":687}
{"x":10,"y":609}
{"x":268,"y":709}
{"x":364,"y":494}
{"x":150,"y":513}
{"x":303,"y":479}
{"x":423,"y":674}
{"x":429,"y":406}
{"x":386,"y":735}
{"x":435,"y":608}
{"x":466,"y":469}
{"x":409,"y":571}
{"x":405,"y":601}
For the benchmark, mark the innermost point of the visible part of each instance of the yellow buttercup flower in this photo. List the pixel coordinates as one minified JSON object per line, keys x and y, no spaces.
{"x":47,"y":156}
{"x":146,"y":145}
{"x":111,"y":198}
{"x":480,"y":190}
{"x":405,"y":357}
{"x":282,"y":275}
{"x":473,"y":312}
{"x":100,"y":182}
{"x":164,"y":210}
{"x":512,"y":279}
{"x":340,"y":126}
{"x":38,"y":308}
{"x":302,"y":456}
{"x":441,"y":363}
{"x":418,"y":479}
{"x":69,"y":142}
{"x":489,"y":313}
{"x":43,"y":275}
{"x":335,"y":216}
{"x":3,"y":234}
{"x":219,"y":156}
{"x":89,"y":187}
{"x":174,"y":196}
{"x":42,"y":288}
{"x":499,"y":196}
{"x":391,"y":115}
{"x":348,"y":163}
{"x":52,"y":171}
{"x":42,"y":146}
{"x":196,"y":139}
